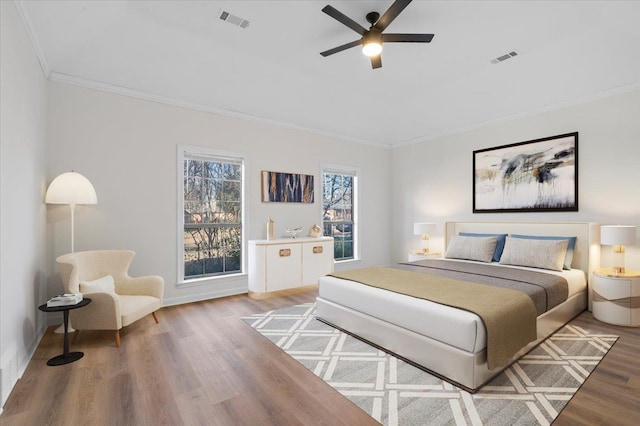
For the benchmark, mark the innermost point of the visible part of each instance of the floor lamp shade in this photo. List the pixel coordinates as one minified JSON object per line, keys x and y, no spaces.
{"x":71,"y":188}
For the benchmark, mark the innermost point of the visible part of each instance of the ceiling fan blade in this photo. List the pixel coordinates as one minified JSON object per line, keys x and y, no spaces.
{"x":391,"y":14}
{"x":344,"y":19}
{"x":341,"y":48}
{"x":376,"y":61}
{"x":407,"y":38}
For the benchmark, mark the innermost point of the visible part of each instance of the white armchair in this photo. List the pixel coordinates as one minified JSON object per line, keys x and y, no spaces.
{"x":132,"y":299}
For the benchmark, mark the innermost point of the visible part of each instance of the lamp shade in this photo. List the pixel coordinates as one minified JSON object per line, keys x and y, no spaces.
{"x":618,"y":235}
{"x":71,"y":188}
{"x":424,"y":228}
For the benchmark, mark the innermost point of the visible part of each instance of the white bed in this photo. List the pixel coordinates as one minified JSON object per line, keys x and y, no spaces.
{"x":447,"y":341}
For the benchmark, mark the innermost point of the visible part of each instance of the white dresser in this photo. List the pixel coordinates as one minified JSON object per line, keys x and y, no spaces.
{"x":282,"y":264}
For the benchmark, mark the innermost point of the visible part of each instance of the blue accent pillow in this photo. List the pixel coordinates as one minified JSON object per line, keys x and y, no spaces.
{"x":568,"y":258}
{"x":502,"y":238}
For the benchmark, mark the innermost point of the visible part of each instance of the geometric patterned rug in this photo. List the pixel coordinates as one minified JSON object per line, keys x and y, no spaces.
{"x":531,"y":391}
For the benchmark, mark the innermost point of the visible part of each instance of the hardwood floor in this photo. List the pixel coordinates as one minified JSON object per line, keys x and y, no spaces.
{"x":203,"y":366}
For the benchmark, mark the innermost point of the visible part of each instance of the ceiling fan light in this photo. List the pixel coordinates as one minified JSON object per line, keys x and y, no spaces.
{"x":372,"y":48}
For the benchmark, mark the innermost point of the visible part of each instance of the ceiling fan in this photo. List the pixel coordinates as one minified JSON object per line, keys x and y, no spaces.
{"x":373,"y":38}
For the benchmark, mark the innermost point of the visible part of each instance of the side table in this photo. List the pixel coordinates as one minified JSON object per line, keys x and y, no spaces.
{"x":422,"y":255}
{"x":66,"y":356}
{"x":616,"y":297}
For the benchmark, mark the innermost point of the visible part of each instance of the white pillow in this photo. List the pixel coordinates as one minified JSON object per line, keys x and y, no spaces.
{"x":544,"y":254}
{"x":472,"y":248}
{"x":100,"y":285}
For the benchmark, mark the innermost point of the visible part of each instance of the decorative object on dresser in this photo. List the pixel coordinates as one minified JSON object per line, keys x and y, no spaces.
{"x":284,"y":264}
{"x":281,"y":187}
{"x":271,"y":229}
{"x":293,"y":232}
{"x":315,"y":231}
{"x":539,"y":175}
{"x":618,"y":236}
{"x":424,"y":229}
{"x":616,"y":296}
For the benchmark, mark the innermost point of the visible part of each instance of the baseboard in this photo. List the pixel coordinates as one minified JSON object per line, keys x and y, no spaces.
{"x":8,"y":372}
{"x":12,"y":367}
{"x":287,"y":292}
{"x":199,"y":297}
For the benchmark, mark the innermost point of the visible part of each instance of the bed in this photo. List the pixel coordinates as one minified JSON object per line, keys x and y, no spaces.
{"x":450,"y":342}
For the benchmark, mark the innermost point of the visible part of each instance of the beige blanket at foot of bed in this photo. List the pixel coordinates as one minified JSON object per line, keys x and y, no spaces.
{"x":508,"y":315}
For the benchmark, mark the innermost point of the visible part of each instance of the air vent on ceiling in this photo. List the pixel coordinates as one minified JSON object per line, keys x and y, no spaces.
{"x":233,"y":19}
{"x":504,"y":57}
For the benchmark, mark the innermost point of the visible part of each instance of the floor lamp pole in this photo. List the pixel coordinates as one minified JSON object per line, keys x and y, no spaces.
{"x":72,"y":206}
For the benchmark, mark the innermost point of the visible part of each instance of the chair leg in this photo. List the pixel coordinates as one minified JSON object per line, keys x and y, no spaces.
{"x":155,"y":317}
{"x":75,"y":336}
{"x":118,"y":338}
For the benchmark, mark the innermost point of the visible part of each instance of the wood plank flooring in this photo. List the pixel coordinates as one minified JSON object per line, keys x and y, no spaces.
{"x":203,"y":366}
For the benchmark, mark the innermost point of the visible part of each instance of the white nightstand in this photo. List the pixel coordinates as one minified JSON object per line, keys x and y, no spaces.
{"x":421,"y":255}
{"x":616,"y":297}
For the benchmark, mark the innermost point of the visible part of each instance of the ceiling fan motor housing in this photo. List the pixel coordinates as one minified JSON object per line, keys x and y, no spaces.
{"x":372,"y":17}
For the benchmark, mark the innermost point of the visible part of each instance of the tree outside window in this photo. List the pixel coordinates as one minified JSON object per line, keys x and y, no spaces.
{"x":212,"y":194}
{"x":338,"y":212}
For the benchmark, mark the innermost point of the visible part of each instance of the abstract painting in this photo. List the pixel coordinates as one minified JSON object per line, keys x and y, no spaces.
{"x":286,"y":187}
{"x":540,"y":175}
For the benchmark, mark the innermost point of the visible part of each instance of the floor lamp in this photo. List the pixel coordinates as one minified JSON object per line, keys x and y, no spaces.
{"x":70,"y":188}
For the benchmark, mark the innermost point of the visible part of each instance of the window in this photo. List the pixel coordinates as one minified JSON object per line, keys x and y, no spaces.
{"x":211,"y":218}
{"x":339,"y":211}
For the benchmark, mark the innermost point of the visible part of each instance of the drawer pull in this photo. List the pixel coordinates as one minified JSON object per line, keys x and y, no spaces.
{"x":318,"y":249}
{"x":285,"y":252}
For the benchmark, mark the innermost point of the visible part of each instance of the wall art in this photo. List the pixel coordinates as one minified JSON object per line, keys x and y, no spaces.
{"x":540,"y":175}
{"x":286,"y":187}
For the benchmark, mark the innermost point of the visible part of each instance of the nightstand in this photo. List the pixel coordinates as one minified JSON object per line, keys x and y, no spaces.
{"x":616,"y":297}
{"x":421,"y":255}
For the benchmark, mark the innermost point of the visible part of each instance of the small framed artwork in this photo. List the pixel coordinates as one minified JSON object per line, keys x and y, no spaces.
{"x":280,"y":187}
{"x":540,"y":175}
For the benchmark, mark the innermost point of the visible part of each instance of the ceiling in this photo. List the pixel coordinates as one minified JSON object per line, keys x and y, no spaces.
{"x":180,"y":52}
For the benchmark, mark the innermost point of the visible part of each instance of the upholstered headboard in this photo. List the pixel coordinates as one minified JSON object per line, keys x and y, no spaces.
{"x":586,"y":253}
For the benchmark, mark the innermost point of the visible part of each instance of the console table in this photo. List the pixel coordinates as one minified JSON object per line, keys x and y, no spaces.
{"x":66,"y":356}
{"x":287,"y":263}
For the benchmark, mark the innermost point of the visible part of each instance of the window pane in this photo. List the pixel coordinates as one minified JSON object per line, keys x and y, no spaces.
{"x":337,"y":212}
{"x":212,"y":217}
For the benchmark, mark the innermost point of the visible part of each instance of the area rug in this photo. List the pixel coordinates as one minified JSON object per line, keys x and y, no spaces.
{"x":532,"y":391}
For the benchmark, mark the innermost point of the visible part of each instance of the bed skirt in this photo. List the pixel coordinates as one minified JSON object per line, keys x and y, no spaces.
{"x":465,"y":369}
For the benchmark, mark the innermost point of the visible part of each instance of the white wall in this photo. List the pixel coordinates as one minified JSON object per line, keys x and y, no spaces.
{"x":23,"y":110}
{"x":432,"y":180}
{"x":127,"y":148}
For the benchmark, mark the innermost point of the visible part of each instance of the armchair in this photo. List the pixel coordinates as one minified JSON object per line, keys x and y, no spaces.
{"x":132,"y":299}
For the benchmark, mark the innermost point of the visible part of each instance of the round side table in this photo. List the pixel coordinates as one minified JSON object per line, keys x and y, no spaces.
{"x":66,"y":356}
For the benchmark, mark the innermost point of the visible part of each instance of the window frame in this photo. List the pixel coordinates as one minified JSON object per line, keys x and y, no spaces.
{"x":191,"y":150}
{"x":355,"y":173}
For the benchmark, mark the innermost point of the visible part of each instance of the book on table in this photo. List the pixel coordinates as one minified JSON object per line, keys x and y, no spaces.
{"x":64,"y":300}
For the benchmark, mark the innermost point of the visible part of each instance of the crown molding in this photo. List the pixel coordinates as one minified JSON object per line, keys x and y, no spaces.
{"x":552,"y":107}
{"x":125,"y":91}
{"x":28,"y":26}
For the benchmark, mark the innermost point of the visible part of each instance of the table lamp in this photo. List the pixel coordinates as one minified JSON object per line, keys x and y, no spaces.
{"x":424,"y":229}
{"x":618,"y":236}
